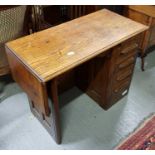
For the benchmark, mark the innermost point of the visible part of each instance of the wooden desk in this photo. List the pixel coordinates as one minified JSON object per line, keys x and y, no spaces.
{"x":144,"y":14}
{"x":96,"y":52}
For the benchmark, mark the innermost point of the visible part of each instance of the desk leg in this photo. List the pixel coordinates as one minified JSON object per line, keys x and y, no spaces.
{"x":145,"y":43}
{"x":52,"y":122}
{"x":142,"y":63}
{"x":55,"y":112}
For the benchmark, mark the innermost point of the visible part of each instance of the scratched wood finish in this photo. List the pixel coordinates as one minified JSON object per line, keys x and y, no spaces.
{"x":47,"y":53}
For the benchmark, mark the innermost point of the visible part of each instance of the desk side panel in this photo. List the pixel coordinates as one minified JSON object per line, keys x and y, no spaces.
{"x":29,"y":83}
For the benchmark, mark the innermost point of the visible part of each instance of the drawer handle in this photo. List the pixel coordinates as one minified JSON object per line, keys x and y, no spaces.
{"x":125,"y":92}
{"x":128,"y":62}
{"x":127,"y":50}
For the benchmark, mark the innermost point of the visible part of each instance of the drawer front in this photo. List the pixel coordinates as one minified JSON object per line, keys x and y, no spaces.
{"x":122,"y":80}
{"x":128,"y":43}
{"x":124,"y":73}
{"x":127,"y":52}
{"x":126,"y":63}
{"x":121,"y":87}
{"x":118,"y":93}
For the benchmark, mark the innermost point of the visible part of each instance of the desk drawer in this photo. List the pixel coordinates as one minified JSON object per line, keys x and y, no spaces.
{"x":123,"y":73}
{"x":126,"y":52}
{"x":120,"y":92}
{"x":122,"y":81}
{"x":130,"y":61}
{"x":121,"y":88}
{"x":121,"y":84}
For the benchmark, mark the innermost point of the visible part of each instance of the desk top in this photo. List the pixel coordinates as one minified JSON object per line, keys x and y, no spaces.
{"x":53,"y":51}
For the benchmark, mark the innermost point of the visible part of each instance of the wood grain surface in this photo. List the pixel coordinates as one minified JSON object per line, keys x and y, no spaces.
{"x":145,"y":9}
{"x":53,"y":51}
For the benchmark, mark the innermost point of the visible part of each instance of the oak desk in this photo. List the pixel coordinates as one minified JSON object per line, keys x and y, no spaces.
{"x":144,"y":14}
{"x":95,"y":52}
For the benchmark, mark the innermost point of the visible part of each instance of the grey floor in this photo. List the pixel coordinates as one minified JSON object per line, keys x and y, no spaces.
{"x":84,"y":124}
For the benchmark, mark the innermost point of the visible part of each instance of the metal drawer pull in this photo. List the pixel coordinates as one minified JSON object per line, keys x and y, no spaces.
{"x":125,"y":92}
